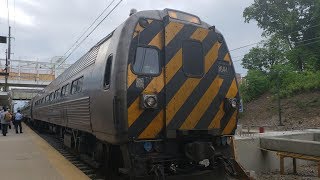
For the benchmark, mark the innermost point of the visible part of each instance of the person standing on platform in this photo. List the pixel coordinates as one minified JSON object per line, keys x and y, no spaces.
{"x":5,"y":120}
{"x":17,"y":121}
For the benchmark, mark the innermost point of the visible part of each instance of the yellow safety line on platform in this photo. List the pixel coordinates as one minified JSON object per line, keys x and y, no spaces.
{"x":66,"y":169}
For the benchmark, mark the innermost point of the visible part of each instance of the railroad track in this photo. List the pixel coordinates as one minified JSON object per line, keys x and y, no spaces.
{"x":75,"y":159}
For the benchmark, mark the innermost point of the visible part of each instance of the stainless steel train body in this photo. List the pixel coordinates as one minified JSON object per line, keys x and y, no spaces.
{"x":161,"y":88}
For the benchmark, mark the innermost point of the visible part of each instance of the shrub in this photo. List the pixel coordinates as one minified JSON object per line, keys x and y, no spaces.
{"x":256,"y":83}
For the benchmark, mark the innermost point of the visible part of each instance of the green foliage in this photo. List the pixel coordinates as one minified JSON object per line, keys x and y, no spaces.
{"x":264,"y":58}
{"x":256,"y":84}
{"x":295,"y":22}
{"x":296,"y":82}
{"x":282,"y":17}
{"x":289,"y":61}
{"x":290,"y":82}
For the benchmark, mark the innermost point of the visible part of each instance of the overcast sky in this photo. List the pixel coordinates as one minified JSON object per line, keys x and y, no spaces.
{"x":43,"y":29}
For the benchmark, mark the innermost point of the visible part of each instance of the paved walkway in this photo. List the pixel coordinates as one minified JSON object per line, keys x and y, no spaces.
{"x":28,"y":156}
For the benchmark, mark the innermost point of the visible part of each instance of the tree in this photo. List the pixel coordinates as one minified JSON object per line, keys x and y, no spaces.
{"x":264,"y":58}
{"x":296,"y":22}
{"x":256,"y":83}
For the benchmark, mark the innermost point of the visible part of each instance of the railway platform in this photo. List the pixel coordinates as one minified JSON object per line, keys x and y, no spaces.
{"x":28,"y":156}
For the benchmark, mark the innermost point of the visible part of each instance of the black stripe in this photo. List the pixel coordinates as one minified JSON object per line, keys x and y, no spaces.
{"x":226,"y":118}
{"x":196,"y":95}
{"x":143,"y":38}
{"x":146,"y":36}
{"x":145,"y":118}
{"x":134,"y":92}
{"x":179,"y":78}
{"x":193,"y":99}
{"x":171,"y":49}
{"x":172,"y":87}
{"x":176,"y":43}
{"x":214,"y":106}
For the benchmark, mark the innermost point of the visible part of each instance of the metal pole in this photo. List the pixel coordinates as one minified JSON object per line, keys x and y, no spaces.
{"x":279,"y":101}
{"x":9,"y":44}
{"x":6,"y":76}
{"x":8,"y":57}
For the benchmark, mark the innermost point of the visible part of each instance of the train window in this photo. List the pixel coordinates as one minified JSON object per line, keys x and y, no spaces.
{"x":64,"y":90}
{"x":51,"y":96}
{"x":47,"y":98}
{"x":56,"y":94}
{"x":107,"y":73}
{"x":146,"y":61}
{"x":193,"y":58}
{"x":76,"y":85}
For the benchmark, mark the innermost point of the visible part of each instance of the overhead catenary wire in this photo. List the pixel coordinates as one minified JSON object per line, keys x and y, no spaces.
{"x":88,"y":28}
{"x":252,"y":44}
{"x":241,"y":47}
{"x":90,"y":33}
{"x":312,"y":42}
{"x":308,"y":43}
{"x":308,"y":39}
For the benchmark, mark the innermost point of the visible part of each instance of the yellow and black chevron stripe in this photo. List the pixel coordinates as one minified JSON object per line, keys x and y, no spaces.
{"x":185,"y":103}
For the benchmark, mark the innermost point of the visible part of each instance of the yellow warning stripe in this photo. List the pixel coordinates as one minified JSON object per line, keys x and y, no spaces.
{"x":171,"y":69}
{"x":154,"y":127}
{"x":171,"y":30}
{"x":154,"y":87}
{"x":137,"y":30}
{"x":189,"y":85}
{"x":215,"y":123}
{"x":180,"y":97}
{"x":157,"y":40}
{"x":200,"y":34}
{"x":227,"y":58}
{"x":231,"y":124}
{"x":134,"y":111}
{"x":233,"y":90}
{"x":202,"y":104}
{"x":131,"y":77}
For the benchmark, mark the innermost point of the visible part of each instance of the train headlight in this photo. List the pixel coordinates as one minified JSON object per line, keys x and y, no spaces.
{"x":234,"y":103}
{"x":149,"y":101}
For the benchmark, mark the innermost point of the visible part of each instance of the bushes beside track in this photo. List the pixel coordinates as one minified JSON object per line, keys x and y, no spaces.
{"x":257,"y":83}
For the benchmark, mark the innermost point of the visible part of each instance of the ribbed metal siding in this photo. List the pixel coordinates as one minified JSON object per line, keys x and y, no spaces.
{"x":78,"y":114}
{"x":85,"y":61}
{"x":74,"y":114}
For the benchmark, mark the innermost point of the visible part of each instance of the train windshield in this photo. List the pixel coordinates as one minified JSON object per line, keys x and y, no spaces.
{"x":146,"y":61}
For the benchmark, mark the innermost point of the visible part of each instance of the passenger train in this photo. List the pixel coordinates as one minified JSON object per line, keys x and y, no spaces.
{"x":158,"y":97}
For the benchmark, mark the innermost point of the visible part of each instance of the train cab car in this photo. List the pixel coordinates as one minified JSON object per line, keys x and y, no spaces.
{"x":156,"y":97}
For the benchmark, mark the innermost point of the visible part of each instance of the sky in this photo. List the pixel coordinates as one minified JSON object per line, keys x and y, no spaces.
{"x":44,"y":29}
